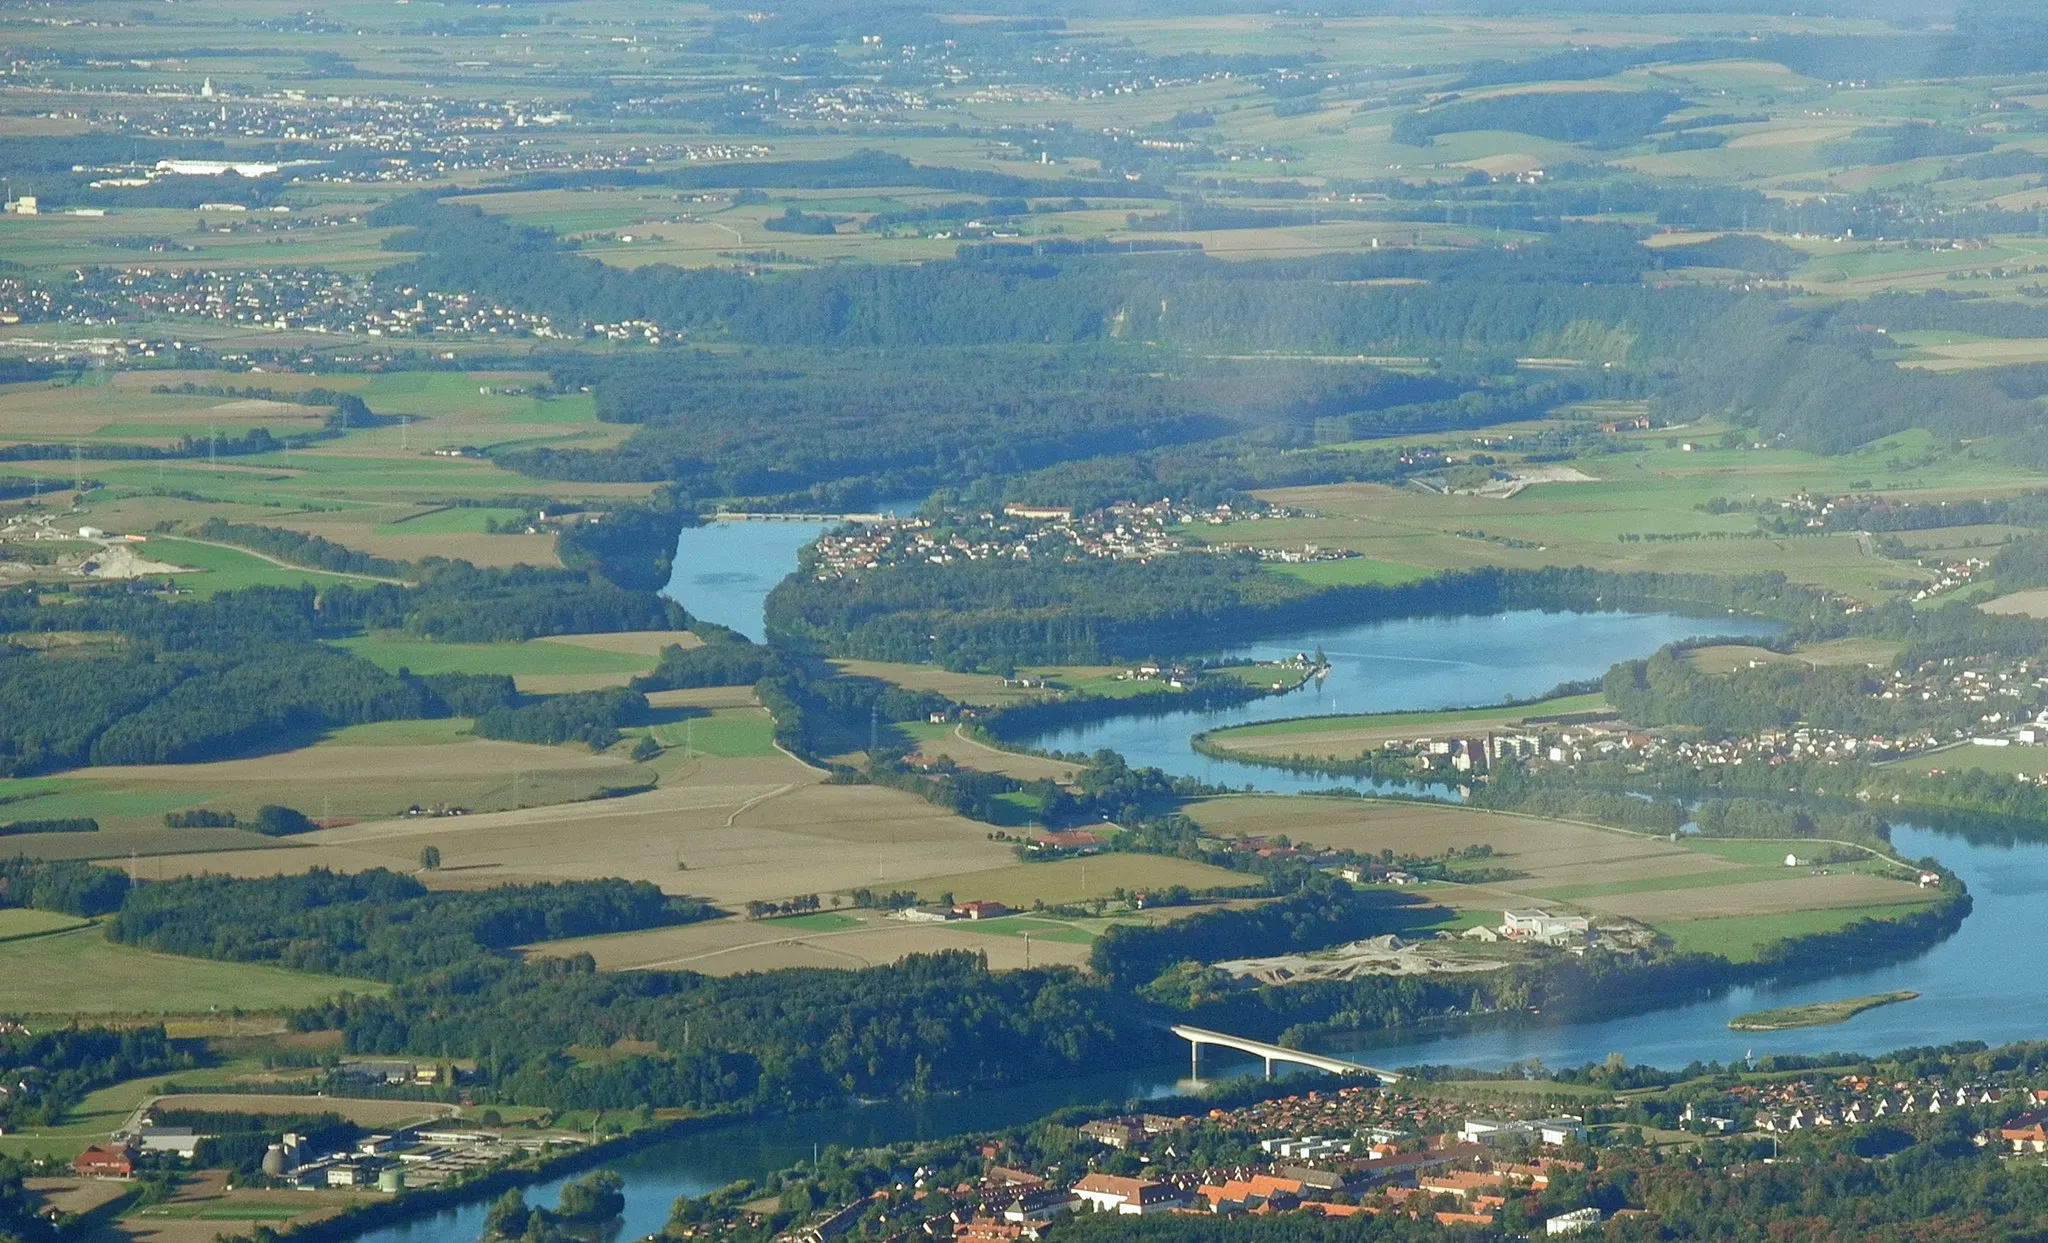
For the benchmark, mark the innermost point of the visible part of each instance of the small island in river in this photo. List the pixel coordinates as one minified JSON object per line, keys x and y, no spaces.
{"x":1819,"y":1014}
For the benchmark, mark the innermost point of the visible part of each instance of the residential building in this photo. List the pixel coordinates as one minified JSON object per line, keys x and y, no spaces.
{"x":1573,"y":1222}
{"x":1131,"y":1197}
{"x":105,"y":1161}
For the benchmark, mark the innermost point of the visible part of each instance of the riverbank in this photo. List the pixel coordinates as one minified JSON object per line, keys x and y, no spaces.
{"x":1819,"y":1014}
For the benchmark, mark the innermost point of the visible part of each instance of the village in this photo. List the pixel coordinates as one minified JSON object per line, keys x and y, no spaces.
{"x":1124,"y":531}
{"x":1992,"y":702}
{"x":1357,"y":1150}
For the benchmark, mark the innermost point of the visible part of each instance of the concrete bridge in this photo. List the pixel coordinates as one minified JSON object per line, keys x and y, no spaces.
{"x":829,"y":518}
{"x":1199,"y":1036}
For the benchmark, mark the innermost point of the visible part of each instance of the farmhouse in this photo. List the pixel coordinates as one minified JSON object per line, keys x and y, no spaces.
{"x":104,"y":1161}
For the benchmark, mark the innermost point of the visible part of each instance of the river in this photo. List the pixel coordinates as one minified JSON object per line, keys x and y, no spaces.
{"x":1973,"y":986}
{"x":724,"y":571}
{"x":1406,"y":664}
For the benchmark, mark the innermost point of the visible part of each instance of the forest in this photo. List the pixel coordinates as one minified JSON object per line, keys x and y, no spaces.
{"x":1601,"y":118}
{"x":50,"y":1072}
{"x":379,"y":925}
{"x":1029,"y":338}
{"x":779,"y":1039}
{"x":180,"y":680}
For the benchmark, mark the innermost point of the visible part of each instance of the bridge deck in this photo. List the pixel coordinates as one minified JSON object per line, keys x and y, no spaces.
{"x":1199,"y":1036}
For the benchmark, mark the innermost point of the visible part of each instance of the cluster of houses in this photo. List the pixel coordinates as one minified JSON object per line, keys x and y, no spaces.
{"x":1353,"y":1152}
{"x":1375,"y":1151}
{"x":1952,"y":575}
{"x":1802,"y":1105}
{"x":1998,"y":692}
{"x":1123,"y":531}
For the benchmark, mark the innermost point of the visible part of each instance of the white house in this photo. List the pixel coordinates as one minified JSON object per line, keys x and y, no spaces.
{"x":1573,"y":1222}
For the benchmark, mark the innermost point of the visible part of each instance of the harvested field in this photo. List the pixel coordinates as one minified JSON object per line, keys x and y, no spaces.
{"x":1799,"y":893}
{"x":1076,"y":880}
{"x":121,"y":843}
{"x":704,"y":697}
{"x":731,"y":830}
{"x":371,"y":771}
{"x":972,"y":688}
{"x":2020,"y":603}
{"x":952,"y":742}
{"x":1404,"y":828}
{"x":74,"y":1195}
{"x":861,"y":939}
{"x":648,"y":643}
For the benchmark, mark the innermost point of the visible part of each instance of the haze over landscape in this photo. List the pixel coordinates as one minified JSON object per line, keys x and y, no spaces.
{"x":1015,"y":620}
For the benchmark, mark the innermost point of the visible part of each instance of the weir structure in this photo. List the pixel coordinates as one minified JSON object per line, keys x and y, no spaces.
{"x":1199,"y":1036}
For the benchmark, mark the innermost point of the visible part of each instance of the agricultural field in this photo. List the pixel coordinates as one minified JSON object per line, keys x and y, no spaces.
{"x":1728,"y":657}
{"x":2024,"y":603}
{"x":1659,"y":491}
{"x":20,"y":922}
{"x":740,"y":732}
{"x":952,"y":742}
{"x":839,"y":939}
{"x":1082,"y":880}
{"x":363,"y":772}
{"x":2017,"y":760}
{"x":48,"y":975}
{"x":982,"y":689}
{"x":1730,"y":892}
{"x":1349,"y":737}
{"x":548,"y":665}
{"x":732,"y":830}
{"x":845,"y":937}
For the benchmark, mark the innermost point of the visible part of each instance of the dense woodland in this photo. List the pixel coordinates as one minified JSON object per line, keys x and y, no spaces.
{"x":182,"y":680}
{"x":50,"y":1072}
{"x":379,"y":925}
{"x":797,"y":1037}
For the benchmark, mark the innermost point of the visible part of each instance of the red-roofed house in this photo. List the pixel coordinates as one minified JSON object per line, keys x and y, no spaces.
{"x":103,"y":1161}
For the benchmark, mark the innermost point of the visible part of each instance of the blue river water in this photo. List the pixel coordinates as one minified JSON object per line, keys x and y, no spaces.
{"x":724,"y":571}
{"x":1406,"y":664}
{"x":1978,"y":984}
